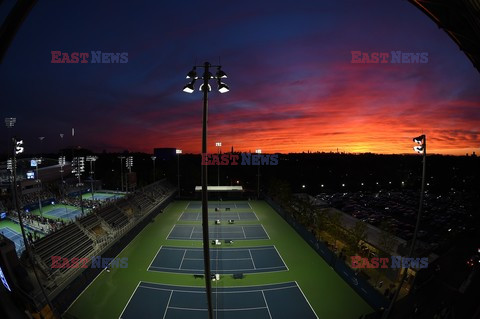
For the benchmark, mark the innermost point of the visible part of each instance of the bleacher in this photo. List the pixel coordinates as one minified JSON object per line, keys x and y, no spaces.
{"x":89,"y":221}
{"x":113,"y":216}
{"x":67,"y":242}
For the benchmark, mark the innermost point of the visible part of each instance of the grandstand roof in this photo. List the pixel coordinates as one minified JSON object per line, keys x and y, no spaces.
{"x":460,"y":19}
{"x":220,"y":188}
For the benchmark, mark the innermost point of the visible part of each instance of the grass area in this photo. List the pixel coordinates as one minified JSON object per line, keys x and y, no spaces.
{"x":328,"y":294}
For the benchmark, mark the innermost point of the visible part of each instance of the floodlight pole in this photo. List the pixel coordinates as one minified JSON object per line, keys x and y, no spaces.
{"x":206,"y":240}
{"x":205,"y":87}
{"x":153,"y":160}
{"x":178,"y":152}
{"x":20,"y":221}
{"x":121,"y":170}
{"x":415,"y":233}
{"x":259,"y":151}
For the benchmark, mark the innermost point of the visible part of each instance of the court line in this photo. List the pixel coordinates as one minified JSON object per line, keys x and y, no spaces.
{"x":221,"y":309}
{"x":222,"y":249}
{"x":222,"y":259}
{"x":129,"y":299}
{"x":265,"y":231}
{"x":243,"y":230}
{"x":183,"y":258}
{"x":296,"y":283}
{"x":293,"y":284}
{"x":191,"y":233}
{"x":170,"y":232}
{"x":266,"y":304}
{"x":283,"y":261}
{"x":224,"y":273}
{"x":168,"y":303}
{"x":153,"y":259}
{"x":253,"y":263}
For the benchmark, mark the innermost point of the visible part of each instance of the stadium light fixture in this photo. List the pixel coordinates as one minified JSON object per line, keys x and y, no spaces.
{"x":10,"y":122}
{"x":422,"y":149}
{"x":121,"y":158}
{"x":91,"y":160}
{"x":205,"y":88}
{"x":192,"y":74}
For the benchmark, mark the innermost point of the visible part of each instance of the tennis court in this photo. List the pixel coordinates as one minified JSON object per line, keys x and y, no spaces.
{"x":187,"y":232}
{"x":63,"y":212}
{"x":213,"y":205}
{"x":285,"y":300}
{"x":101,"y":196}
{"x":15,"y":237}
{"x":223,"y":261}
{"x":223,"y":216}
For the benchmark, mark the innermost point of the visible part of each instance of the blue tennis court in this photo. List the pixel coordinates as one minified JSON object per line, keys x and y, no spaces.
{"x":285,"y":300}
{"x":15,"y":237}
{"x":102,"y":196}
{"x":62,"y":212}
{"x":213,"y":205}
{"x":223,"y":260}
{"x":187,"y":232}
{"x":224,"y":216}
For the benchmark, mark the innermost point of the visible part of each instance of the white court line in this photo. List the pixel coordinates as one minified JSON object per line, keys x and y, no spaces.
{"x":243,"y":230}
{"x":283,"y":261}
{"x":199,"y":288}
{"x":225,"y":272}
{"x":168,"y":303}
{"x":266,"y":304}
{"x":154,"y":258}
{"x":183,"y":258}
{"x":216,"y":309}
{"x":128,"y":300}
{"x":136,"y":236}
{"x":253,"y":263}
{"x":170,"y":232}
{"x":306,"y":299}
{"x":191,"y":232}
{"x":265,"y":231}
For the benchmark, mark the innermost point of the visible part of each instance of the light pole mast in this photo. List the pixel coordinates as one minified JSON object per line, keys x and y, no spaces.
{"x":422,"y":149}
{"x":258,"y":151}
{"x":205,"y":88}
{"x":219,"y":145}
{"x":121,"y":171}
{"x":178,"y":152}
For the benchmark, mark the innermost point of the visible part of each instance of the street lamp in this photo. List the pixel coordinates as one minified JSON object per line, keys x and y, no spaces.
{"x":153,"y":160}
{"x":92,"y":160}
{"x":421,"y":148}
{"x":178,"y":152}
{"x":218,"y":145}
{"x":258,"y":151}
{"x":205,"y":88}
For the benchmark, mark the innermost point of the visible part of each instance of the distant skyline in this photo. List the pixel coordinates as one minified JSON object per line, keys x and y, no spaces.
{"x":293,"y":87}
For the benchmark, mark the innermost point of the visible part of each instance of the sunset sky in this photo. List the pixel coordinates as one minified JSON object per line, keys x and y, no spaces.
{"x":293,"y":87}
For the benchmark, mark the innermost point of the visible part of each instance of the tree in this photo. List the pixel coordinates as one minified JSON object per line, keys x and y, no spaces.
{"x":358,"y":233}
